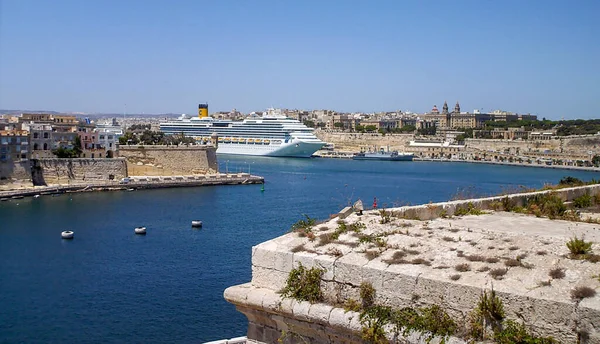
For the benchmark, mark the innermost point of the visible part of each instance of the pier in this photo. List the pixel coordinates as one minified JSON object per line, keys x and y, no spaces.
{"x":141,"y":182}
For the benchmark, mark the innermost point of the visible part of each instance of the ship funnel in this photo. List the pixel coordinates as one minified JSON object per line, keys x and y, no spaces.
{"x":203,"y":110}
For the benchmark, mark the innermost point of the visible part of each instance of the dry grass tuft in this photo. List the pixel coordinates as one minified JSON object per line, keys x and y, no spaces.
{"x":484,"y":268}
{"x":475,"y":258}
{"x":397,"y":258}
{"x":579,"y":293}
{"x":557,"y":273}
{"x":498,"y":273}
{"x":462,"y":267}
{"x":541,"y":253}
{"x":422,"y":261}
{"x":492,"y":260}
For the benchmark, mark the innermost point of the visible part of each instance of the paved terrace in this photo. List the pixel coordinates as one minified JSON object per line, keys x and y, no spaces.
{"x":433,"y":261}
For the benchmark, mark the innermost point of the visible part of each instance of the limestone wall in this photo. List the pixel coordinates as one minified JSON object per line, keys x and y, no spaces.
{"x":546,"y":310}
{"x":355,"y":141}
{"x":169,"y":160}
{"x":15,"y":170}
{"x":78,"y":171}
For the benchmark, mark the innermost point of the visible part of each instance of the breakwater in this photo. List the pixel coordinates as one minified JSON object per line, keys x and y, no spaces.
{"x":140,"y":183}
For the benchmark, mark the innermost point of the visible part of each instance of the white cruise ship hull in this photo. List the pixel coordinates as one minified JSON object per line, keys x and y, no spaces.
{"x":295,"y":149}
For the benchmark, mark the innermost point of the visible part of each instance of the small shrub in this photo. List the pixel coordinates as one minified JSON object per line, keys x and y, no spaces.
{"x":579,"y":246}
{"x":570,"y":181}
{"x":304,"y":284}
{"x":470,"y":209}
{"x":303,"y":226}
{"x":557,"y":273}
{"x":513,"y":248}
{"x":447,"y":238}
{"x":462,"y":267}
{"x":484,"y":269}
{"x":334,"y":251}
{"x":351,"y":305}
{"x":583,"y":201}
{"x":492,"y":260}
{"x":298,"y":248}
{"x":367,"y":295}
{"x":325,"y":239}
{"x":541,"y":253}
{"x":455,"y":277}
{"x":498,"y":273}
{"x":579,"y":293}
{"x":409,"y":251}
{"x":385,"y":216}
{"x":513,"y":332}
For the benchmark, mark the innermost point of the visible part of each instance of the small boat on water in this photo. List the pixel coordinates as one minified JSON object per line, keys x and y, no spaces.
{"x":4,"y":199}
{"x":67,"y":234}
{"x":17,"y":197}
{"x":196,"y":224}
{"x":36,"y":196}
{"x":383,"y":155}
{"x":140,"y":230}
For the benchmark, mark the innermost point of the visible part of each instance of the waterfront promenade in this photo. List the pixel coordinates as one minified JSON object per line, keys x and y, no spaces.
{"x":146,"y":182}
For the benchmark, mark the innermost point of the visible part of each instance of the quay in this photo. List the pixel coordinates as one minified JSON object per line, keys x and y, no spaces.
{"x":523,"y":164}
{"x":140,"y":182}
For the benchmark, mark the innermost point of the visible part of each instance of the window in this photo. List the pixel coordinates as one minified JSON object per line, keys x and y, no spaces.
{"x":110,"y":144}
{"x":45,"y":135}
{"x":101,"y":137}
{"x":36,"y":135}
{"x":110,"y":137}
{"x":45,"y":146}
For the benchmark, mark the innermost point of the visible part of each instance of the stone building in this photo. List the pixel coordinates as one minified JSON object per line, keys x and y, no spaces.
{"x":14,"y":145}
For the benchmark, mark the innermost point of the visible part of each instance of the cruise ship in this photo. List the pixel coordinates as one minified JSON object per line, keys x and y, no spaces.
{"x":272,"y":134}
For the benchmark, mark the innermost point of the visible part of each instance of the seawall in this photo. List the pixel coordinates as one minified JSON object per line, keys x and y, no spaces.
{"x":77,"y":171}
{"x":169,"y":160}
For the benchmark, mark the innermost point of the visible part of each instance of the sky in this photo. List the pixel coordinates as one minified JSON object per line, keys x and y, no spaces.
{"x":162,"y":56}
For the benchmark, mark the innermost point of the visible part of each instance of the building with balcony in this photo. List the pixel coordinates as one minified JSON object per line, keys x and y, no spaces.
{"x":14,"y":145}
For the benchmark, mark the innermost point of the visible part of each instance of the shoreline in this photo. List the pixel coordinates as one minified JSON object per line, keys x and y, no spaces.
{"x":229,"y":179}
{"x":556,"y":167}
{"x":419,"y":159}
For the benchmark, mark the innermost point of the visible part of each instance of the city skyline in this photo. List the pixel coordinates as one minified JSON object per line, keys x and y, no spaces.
{"x":155,"y":57}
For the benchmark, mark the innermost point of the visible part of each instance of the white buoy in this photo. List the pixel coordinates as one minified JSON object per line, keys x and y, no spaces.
{"x":140,"y":230}
{"x":67,"y":235}
{"x":197,"y":224}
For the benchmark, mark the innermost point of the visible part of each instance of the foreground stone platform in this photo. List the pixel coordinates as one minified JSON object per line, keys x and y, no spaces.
{"x":440,"y":261}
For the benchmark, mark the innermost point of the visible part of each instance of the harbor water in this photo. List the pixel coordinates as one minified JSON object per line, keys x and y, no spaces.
{"x":108,"y":285}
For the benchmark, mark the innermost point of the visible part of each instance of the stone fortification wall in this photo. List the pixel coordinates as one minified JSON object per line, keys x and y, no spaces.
{"x":546,"y":310}
{"x":77,"y":171}
{"x":169,"y":160}
{"x":353,"y":142}
{"x":15,"y":170}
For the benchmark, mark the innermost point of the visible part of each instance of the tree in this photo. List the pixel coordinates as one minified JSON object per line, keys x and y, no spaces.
{"x":596,"y":160}
{"x":338,"y":124}
{"x":427,"y":131}
{"x":370,"y":128}
{"x":77,"y":146}
{"x":309,"y":123}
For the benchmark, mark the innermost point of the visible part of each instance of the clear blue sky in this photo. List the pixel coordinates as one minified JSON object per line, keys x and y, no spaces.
{"x":167,"y":56}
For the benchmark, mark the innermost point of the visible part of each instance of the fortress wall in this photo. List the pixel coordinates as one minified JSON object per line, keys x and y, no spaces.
{"x":169,"y":160}
{"x":77,"y":171}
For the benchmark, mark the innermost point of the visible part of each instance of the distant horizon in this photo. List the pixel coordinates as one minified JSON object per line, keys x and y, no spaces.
{"x":349,"y":56}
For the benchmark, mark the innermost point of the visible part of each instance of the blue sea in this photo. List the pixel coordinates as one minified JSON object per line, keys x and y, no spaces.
{"x":110,"y":286}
